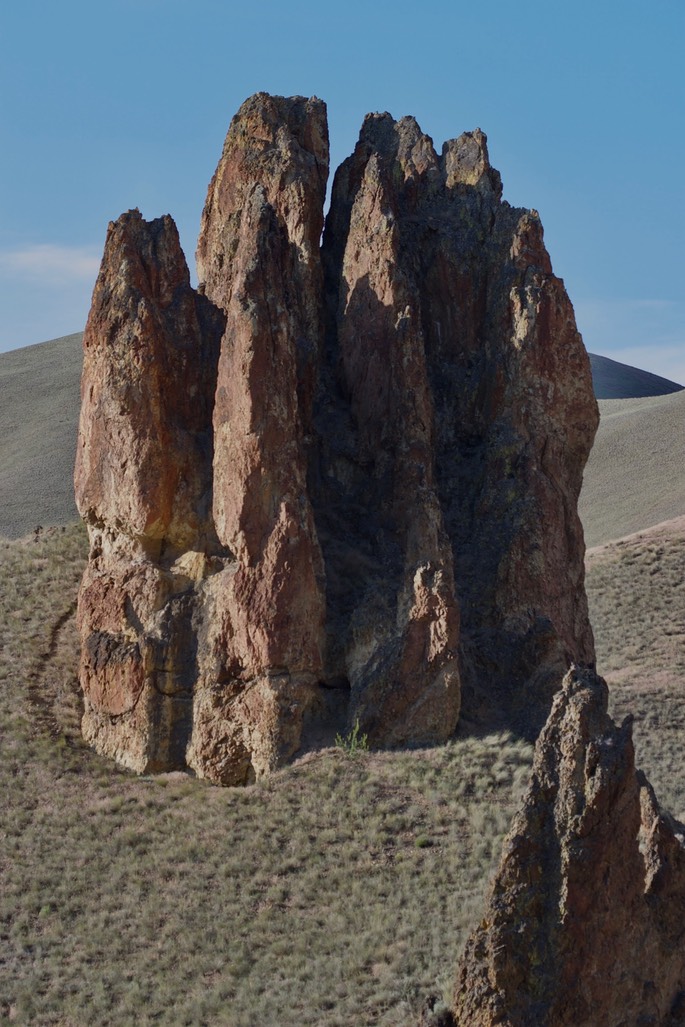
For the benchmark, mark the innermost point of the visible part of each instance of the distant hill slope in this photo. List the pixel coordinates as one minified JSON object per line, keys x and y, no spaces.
{"x":39,"y":406}
{"x":635,"y":476}
{"x":613,"y":380}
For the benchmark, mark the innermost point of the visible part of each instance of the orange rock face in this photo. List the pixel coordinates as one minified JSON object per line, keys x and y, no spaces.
{"x":585,"y":922}
{"x":258,"y":259}
{"x":338,"y":483}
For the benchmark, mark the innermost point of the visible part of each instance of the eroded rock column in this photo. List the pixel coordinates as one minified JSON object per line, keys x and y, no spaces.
{"x":144,"y":488}
{"x":258,"y":259}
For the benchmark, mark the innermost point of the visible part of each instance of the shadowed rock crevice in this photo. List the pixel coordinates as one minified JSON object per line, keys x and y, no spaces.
{"x":352,"y":463}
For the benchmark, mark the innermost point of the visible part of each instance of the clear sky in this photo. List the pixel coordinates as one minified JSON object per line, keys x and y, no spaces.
{"x":113,"y":104}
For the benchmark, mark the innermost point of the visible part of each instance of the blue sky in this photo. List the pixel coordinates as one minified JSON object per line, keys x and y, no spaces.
{"x":123,"y":103}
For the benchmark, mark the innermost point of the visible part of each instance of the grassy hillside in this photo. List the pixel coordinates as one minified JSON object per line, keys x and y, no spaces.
{"x":39,"y":405}
{"x":636,"y":591}
{"x":339,"y":892}
{"x":635,"y":476}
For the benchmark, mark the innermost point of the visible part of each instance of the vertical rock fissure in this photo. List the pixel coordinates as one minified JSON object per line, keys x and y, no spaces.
{"x":396,"y":610}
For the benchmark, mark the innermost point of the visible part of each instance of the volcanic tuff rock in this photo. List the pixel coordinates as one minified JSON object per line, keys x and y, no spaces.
{"x":340,"y":482}
{"x":586,"y":921}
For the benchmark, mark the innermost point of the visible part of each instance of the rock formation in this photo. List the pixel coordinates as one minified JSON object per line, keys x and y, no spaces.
{"x":455,"y":410}
{"x":586,"y":921}
{"x":339,"y":482}
{"x":144,"y":485}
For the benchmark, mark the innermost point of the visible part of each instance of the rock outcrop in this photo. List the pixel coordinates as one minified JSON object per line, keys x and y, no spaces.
{"x":339,"y":482}
{"x":586,"y":921}
{"x":144,"y":487}
{"x":455,"y":416}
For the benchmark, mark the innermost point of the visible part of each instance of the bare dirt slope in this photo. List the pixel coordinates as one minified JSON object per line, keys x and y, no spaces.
{"x":635,"y":476}
{"x":39,"y":405}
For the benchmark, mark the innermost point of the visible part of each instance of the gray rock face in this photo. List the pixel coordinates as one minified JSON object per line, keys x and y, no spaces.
{"x":339,"y":484}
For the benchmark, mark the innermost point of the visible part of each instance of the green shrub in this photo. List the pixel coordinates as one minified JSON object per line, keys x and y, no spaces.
{"x":353,"y":742}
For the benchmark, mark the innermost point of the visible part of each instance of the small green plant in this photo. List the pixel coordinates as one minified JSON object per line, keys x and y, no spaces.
{"x":353,"y":742}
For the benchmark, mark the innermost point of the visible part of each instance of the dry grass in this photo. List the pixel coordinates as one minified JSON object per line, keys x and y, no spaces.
{"x":636,"y":590}
{"x":634,"y":477}
{"x":337,"y":893}
{"x":39,"y":414}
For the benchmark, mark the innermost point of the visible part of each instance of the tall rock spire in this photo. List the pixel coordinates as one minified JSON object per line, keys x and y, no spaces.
{"x":258,"y":259}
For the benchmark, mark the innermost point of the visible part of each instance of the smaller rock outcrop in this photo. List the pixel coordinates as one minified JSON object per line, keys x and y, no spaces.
{"x":586,"y":921}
